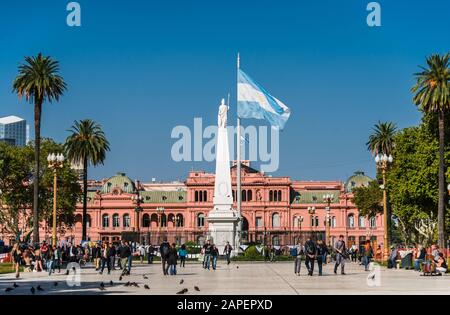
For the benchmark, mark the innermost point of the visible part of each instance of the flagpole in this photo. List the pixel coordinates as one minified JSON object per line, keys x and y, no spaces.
{"x":238,"y":168}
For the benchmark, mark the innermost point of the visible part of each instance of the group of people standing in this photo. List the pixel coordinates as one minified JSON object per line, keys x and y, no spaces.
{"x":318,"y":251}
{"x":210,"y":254}
{"x":106,"y":254}
{"x":170,"y":256}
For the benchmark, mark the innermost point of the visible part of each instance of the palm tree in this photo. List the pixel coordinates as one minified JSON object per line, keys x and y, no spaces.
{"x":382,"y":138}
{"x":87,"y":145}
{"x":39,"y":81}
{"x":432,"y":95}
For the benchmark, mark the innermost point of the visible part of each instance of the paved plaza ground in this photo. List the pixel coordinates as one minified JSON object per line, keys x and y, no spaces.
{"x":238,"y":278}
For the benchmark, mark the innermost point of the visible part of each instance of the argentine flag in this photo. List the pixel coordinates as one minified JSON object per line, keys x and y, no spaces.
{"x":255,"y":102}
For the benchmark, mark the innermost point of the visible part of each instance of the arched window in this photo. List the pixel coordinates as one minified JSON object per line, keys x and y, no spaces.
{"x":234,"y":195}
{"x":105,"y":220}
{"x":126,"y":220}
{"x":279,"y":195}
{"x":163,"y":220}
{"x":297,"y":221}
{"x":88,"y":221}
{"x":316,"y":223}
{"x":171,"y":220}
{"x":196,"y":195}
{"x":361,"y":221}
{"x":373,"y":222}
{"x":180,"y":220}
{"x":275,"y":220}
{"x":351,"y":241}
{"x":115,"y":220}
{"x":275,"y":240}
{"x":205,"y":196}
{"x":244,"y":195}
{"x":333,"y":222}
{"x":271,"y":195}
{"x":249,"y":195}
{"x":351,"y":221}
{"x":200,"y":220}
{"x":146,"y":220}
{"x":154,"y":220}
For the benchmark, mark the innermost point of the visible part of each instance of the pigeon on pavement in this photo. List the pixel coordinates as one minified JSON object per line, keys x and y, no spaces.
{"x":182,"y":281}
{"x":9,"y":289}
{"x":147,"y":287}
{"x":15,"y":285}
{"x":196,"y":288}
{"x":183,"y":291}
{"x":32,"y":290}
{"x":39,"y":288}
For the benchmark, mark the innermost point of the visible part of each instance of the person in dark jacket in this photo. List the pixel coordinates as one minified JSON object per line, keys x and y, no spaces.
{"x":113,"y":253}
{"x":214,"y":256}
{"x":164,"y":250}
{"x":124,"y":254}
{"x":172,"y":259}
{"x":227,"y":251}
{"x":150,"y":253}
{"x":97,"y":256}
{"x":322,"y":251}
{"x":310,"y":256}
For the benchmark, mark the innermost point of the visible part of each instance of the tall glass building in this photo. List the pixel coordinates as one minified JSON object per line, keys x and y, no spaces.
{"x":13,"y":130}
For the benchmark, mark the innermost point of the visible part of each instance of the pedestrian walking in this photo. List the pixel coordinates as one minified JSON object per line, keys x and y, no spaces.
{"x":55,"y":260}
{"x":150,"y":253}
{"x":310,"y":255}
{"x":227,"y":252}
{"x":297,"y":253}
{"x":367,"y":255}
{"x":16,"y":254}
{"x":214,"y":256}
{"x":113,"y":253}
{"x":322,"y":252}
{"x":141,"y":251}
{"x":164,"y":250}
{"x":341,"y":253}
{"x":182,"y":254}
{"x":106,"y":258}
{"x":97,"y":256}
{"x":207,"y":254}
{"x":172,"y":259}
{"x":125,"y":254}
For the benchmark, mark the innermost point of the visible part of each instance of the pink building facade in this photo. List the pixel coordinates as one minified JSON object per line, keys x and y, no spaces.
{"x":275,"y":210}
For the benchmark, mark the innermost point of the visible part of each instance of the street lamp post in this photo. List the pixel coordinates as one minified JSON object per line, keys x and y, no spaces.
{"x":312,"y":211}
{"x":383,"y":161}
{"x":328,"y":198}
{"x":137,"y":199}
{"x":160,"y":212}
{"x":55,"y":162}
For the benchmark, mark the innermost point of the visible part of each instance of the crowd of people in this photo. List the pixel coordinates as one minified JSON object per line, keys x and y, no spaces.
{"x":417,"y":257}
{"x":119,"y":255}
{"x":48,"y":258}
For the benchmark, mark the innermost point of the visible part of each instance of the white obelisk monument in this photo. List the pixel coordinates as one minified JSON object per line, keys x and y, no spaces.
{"x":223,"y":219}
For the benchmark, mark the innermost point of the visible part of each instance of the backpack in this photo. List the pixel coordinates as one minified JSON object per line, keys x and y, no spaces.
{"x":294,"y":252}
{"x":165,"y":250}
{"x":310,"y":250}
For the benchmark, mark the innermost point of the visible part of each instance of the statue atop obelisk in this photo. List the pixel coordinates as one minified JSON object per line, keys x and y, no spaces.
{"x":222,"y":218}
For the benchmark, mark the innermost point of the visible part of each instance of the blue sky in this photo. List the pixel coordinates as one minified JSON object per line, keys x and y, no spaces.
{"x":139,"y":68}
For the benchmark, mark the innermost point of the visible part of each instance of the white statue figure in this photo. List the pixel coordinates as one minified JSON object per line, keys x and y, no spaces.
{"x":222,"y":116}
